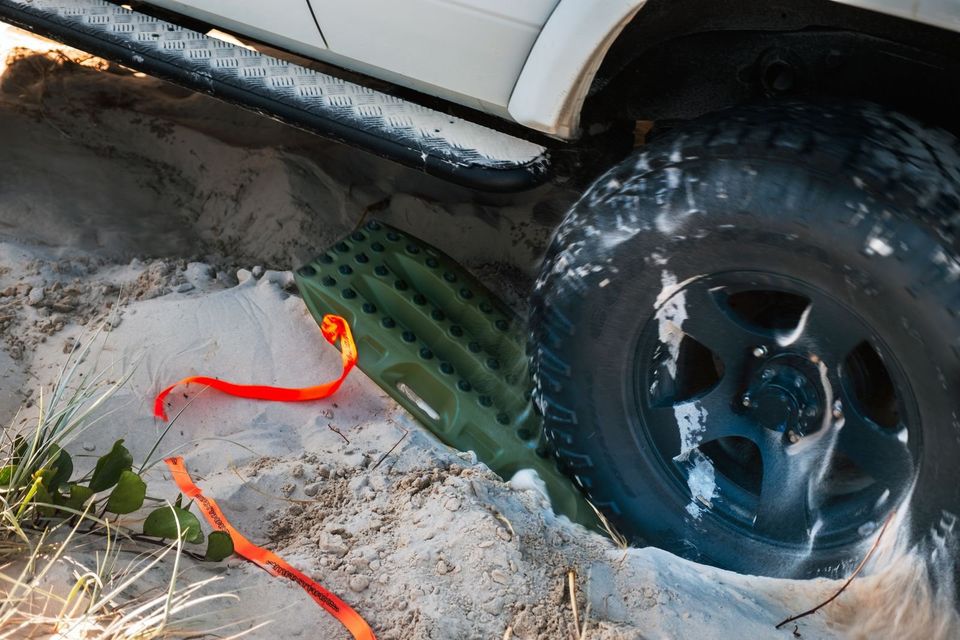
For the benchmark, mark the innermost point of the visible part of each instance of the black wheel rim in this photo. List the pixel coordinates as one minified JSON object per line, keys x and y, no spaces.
{"x":775,"y":408}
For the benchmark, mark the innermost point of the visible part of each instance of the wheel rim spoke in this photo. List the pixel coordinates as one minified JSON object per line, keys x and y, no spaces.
{"x":711,"y":326}
{"x":783,"y":509}
{"x":694,"y":425}
{"x":726,"y":423}
{"x":877,"y":451}
{"x":830,"y":336}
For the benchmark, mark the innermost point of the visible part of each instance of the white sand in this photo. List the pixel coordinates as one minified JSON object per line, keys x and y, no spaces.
{"x":117,"y":187}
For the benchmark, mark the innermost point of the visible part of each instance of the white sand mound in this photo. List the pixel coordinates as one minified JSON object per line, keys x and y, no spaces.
{"x":427,"y":544}
{"x":125,"y":201}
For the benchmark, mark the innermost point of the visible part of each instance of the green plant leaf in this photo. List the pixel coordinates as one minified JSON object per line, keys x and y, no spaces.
{"x":128,"y":495}
{"x":76,"y":499}
{"x":62,"y":465}
{"x":110,"y":466}
{"x":219,"y":546}
{"x":46,"y":477}
{"x":162,"y":523}
{"x":20,"y":446}
{"x":43,"y":497}
{"x":6,"y":474}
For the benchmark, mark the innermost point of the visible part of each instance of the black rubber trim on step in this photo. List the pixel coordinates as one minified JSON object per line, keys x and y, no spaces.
{"x":519,"y":178}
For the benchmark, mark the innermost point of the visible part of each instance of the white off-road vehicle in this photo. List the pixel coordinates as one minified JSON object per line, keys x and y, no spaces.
{"x":745,"y":339}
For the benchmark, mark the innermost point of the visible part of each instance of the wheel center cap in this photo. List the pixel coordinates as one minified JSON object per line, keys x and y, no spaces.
{"x":776,"y":409}
{"x":784,"y":395}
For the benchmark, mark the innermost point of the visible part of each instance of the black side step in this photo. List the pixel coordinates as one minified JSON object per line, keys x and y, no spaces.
{"x":431,"y":141}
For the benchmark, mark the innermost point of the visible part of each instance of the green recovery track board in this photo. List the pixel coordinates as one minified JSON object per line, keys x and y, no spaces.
{"x":442,"y":345}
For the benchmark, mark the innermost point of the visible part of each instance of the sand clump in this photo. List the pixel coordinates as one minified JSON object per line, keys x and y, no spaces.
{"x":49,"y":295}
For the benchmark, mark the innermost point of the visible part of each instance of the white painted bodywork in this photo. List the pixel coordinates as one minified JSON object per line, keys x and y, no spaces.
{"x":466,"y":51}
{"x":939,"y":13}
{"x":469,"y":50}
{"x":531,"y":61}
{"x":553,"y":85}
{"x":284,"y":23}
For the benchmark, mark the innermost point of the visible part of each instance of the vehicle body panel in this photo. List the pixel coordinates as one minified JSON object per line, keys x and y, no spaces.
{"x":466,"y":51}
{"x":284,"y":23}
{"x":471,"y":49}
{"x":938,"y":13}
{"x":531,"y":62}
{"x":554,"y":82}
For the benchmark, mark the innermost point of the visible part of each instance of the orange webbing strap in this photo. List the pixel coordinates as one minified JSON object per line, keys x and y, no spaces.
{"x":268,"y":560}
{"x":333,"y":327}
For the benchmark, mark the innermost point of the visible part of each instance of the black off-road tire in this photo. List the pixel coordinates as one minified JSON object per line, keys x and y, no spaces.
{"x":858,"y":202}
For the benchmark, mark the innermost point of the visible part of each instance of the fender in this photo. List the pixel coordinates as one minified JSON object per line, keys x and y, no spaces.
{"x":553,"y":85}
{"x":554,"y":82}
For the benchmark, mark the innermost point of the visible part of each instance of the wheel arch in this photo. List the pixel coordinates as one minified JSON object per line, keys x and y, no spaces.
{"x":586,"y":48}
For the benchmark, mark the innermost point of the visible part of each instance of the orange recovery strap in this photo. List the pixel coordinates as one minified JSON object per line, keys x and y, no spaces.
{"x":333,"y":328}
{"x":266,"y":559}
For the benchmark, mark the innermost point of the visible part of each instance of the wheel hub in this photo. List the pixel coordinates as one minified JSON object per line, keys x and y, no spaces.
{"x":785,"y":394}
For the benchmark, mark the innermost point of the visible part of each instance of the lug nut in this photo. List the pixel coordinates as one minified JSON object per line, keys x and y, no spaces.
{"x":793,"y":436}
{"x":759,"y":352}
{"x":837,"y":409}
{"x":746,"y":401}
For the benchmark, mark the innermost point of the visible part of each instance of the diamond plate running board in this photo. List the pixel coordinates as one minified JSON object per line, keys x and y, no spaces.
{"x":414,"y":135}
{"x":435,"y":339}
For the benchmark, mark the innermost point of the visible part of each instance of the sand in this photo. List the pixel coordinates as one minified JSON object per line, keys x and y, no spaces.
{"x":172,"y":221}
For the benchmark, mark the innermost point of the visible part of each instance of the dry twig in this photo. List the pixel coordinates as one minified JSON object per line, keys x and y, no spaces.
{"x":338,"y":432}
{"x":846,"y":584}
{"x":376,"y":207}
{"x":396,"y":444}
{"x":502,"y":518}
{"x":572,"y":588}
{"x":618,"y":538}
